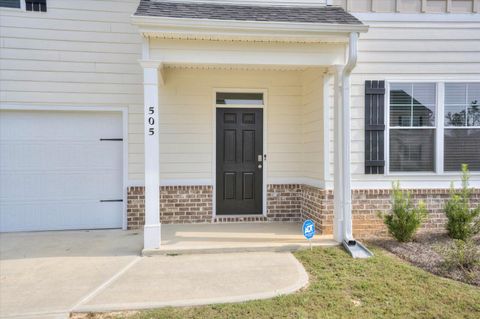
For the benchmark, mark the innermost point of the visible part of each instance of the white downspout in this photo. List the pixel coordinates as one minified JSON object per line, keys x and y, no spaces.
{"x":346,"y":196}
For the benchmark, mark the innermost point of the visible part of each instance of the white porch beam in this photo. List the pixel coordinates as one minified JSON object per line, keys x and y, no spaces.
{"x":152,"y":229}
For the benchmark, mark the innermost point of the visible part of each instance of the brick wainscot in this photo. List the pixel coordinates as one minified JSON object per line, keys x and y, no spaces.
{"x":290,"y":203}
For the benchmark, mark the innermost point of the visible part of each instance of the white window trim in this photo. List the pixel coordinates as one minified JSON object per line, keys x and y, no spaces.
{"x":439,"y":127}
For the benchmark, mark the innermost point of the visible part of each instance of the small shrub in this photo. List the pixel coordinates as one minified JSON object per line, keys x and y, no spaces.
{"x":404,"y":219}
{"x":463,"y":221}
{"x":462,"y":255}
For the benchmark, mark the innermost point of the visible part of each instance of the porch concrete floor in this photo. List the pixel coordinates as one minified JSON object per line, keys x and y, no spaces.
{"x":235,"y":237}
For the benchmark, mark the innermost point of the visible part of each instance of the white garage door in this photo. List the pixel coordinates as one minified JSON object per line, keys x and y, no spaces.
{"x":57,"y":173}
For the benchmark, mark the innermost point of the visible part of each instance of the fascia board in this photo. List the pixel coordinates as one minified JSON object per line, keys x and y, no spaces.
{"x":224,"y":28}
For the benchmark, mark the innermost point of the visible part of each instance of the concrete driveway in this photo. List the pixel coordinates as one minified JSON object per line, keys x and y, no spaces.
{"x":50,"y":274}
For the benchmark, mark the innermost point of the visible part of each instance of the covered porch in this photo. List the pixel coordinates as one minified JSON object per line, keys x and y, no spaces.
{"x":299,"y":73}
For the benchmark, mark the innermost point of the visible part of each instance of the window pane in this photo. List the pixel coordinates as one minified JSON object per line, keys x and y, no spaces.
{"x":412,"y":150}
{"x":400,"y":115}
{"x":412,"y":104}
{"x":401,"y":93}
{"x":462,"y":146}
{"x":10,"y":3}
{"x":455,"y":93}
{"x":455,"y":115}
{"x":473,"y":95}
{"x":240,"y":98}
{"x":462,"y":104}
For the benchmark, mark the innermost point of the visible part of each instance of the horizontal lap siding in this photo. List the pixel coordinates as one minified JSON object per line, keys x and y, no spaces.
{"x":408,"y":6}
{"x":78,"y":53}
{"x":312,"y":123}
{"x":186,"y":119}
{"x":395,"y":50}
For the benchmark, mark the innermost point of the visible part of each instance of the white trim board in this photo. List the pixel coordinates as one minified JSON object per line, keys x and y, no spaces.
{"x":417,"y":17}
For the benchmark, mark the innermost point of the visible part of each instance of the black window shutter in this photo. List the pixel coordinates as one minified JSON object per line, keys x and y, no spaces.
{"x":374,"y":127}
{"x":36,"y":5}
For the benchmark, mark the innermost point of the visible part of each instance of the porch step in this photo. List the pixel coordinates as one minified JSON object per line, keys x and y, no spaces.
{"x":241,"y":219}
{"x":182,"y":239}
{"x":283,"y":247}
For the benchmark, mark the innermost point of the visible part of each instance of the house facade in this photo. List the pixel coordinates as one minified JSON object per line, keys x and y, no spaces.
{"x":129,"y":114}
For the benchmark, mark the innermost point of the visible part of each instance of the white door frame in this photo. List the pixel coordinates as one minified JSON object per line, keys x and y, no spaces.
{"x":123,"y":110}
{"x":214,"y":145}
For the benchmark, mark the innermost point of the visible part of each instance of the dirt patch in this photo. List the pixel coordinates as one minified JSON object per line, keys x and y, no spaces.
{"x":426,"y":252}
{"x":104,"y":315}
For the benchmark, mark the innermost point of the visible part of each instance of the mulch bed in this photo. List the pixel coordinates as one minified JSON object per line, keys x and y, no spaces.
{"x":424,"y":252}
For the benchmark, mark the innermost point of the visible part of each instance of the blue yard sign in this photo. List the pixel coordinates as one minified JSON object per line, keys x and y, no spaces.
{"x":308,"y":229}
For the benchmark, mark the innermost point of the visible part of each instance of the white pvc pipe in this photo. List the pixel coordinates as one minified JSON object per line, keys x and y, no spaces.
{"x":346,"y":178}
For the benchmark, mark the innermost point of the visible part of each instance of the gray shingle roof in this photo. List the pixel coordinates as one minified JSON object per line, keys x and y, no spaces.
{"x":170,"y":9}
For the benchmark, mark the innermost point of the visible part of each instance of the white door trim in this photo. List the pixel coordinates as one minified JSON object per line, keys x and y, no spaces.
{"x":122,"y":109}
{"x":214,"y":137}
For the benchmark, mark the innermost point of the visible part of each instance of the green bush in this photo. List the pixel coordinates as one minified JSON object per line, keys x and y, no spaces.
{"x":404,"y":219}
{"x":463,"y":221}
{"x":463,"y":255}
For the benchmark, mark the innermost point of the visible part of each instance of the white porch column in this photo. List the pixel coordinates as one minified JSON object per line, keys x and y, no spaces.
{"x":152,"y":227}
{"x":338,"y":167}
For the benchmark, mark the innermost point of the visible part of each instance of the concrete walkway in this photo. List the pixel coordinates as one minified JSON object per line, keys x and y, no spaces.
{"x":49,"y":274}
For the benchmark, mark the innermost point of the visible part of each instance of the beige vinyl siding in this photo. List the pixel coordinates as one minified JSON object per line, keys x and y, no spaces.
{"x":78,"y":53}
{"x":410,"y":6}
{"x":405,"y":51}
{"x":187,"y":120}
{"x":312,"y":124}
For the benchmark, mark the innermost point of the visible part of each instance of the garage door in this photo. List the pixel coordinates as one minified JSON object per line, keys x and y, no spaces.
{"x":60,"y":170}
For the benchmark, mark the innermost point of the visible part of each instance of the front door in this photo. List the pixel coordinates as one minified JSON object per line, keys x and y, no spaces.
{"x":239,"y":161}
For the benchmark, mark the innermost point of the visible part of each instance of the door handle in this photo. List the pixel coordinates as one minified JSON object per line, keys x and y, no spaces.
{"x":260,"y":166}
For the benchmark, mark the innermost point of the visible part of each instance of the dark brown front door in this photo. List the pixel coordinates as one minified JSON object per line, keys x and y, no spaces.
{"x":239,"y":161}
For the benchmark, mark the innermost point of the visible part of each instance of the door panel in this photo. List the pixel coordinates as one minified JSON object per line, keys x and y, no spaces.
{"x":239,"y":161}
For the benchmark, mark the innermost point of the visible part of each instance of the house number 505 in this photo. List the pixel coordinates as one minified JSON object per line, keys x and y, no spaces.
{"x":151,"y":121}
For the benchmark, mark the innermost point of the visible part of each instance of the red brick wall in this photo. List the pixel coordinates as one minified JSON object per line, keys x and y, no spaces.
{"x":366,"y":203}
{"x":317,"y":205}
{"x":291,"y":203}
{"x":178,"y":204}
{"x":284,"y":202}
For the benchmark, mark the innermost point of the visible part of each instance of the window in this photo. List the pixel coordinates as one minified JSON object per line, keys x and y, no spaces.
{"x":412,"y":127}
{"x":240,"y":98}
{"x":36,"y":5}
{"x":462,"y":126}
{"x":10,"y":3}
{"x":420,"y":127}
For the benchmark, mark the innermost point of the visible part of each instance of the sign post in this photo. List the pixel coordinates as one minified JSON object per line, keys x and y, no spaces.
{"x":308,"y":229}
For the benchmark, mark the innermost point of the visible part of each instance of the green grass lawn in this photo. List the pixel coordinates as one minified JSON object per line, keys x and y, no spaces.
{"x":341,"y":287}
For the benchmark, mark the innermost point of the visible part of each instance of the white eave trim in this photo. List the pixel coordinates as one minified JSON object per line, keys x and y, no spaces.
{"x":185,"y":28}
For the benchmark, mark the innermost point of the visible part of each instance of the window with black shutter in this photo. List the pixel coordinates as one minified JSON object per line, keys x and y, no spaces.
{"x":374,"y":127}
{"x":10,"y":4}
{"x":36,"y":5}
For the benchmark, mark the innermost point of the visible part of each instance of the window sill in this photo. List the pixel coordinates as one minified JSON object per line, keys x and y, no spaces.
{"x":414,"y":174}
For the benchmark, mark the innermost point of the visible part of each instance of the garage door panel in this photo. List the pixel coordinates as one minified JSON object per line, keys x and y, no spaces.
{"x":60,"y":155}
{"x":66,"y":185}
{"x":55,"y":170}
{"x":67,"y":126}
{"x":60,"y":215}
